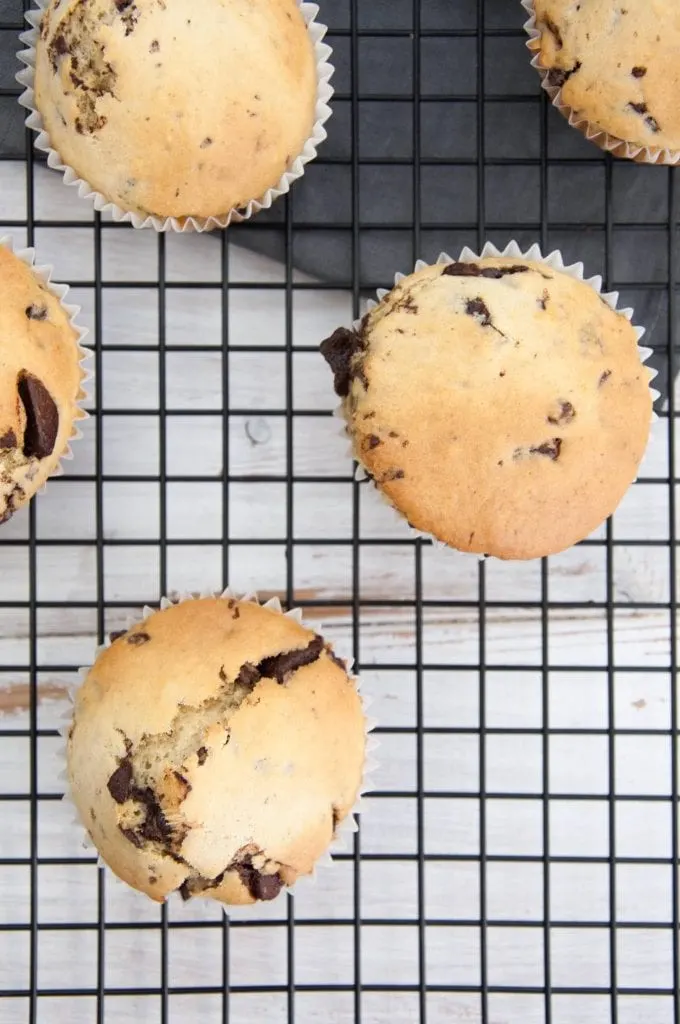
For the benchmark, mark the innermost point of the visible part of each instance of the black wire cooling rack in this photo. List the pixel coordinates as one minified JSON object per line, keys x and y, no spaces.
{"x":533,"y":872}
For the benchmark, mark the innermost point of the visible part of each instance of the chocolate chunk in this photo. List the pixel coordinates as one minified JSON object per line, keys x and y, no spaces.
{"x":478,"y":309}
{"x":279,"y":666}
{"x":550,"y":448}
{"x":604,"y":377}
{"x":565,"y":415}
{"x":120,"y":784}
{"x":8,"y":440}
{"x":122,"y":5}
{"x":117,"y":634}
{"x":57,"y":48}
{"x":248,"y":677}
{"x":372,"y":441}
{"x":155,"y":46}
{"x":652,"y":124}
{"x":223,"y":675}
{"x":132,"y":837}
{"x":202,"y":755}
{"x":638,"y":72}
{"x":393,"y":474}
{"x":639,"y":108}
{"x":259,"y":885}
{"x":137,"y":639}
{"x":558,"y":76}
{"x":476,"y":270}
{"x":339,"y":351}
{"x":42,"y":417}
{"x":34,"y":312}
{"x":155,"y":828}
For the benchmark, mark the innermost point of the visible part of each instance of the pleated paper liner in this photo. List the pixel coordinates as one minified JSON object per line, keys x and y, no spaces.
{"x":199,"y":908}
{"x":604,"y":140}
{"x":60,"y":291}
{"x":295,"y":170}
{"x":555,"y":261}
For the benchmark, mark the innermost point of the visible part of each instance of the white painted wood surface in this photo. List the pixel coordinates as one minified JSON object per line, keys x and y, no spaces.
{"x":322,"y":572}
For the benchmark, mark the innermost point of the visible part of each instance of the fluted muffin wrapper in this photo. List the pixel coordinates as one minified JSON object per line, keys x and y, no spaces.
{"x":60,"y":291}
{"x":296,"y":169}
{"x":594,"y":133}
{"x":196,"y":907}
{"x":555,"y":261}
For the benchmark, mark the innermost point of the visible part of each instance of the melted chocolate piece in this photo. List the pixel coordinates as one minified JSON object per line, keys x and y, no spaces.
{"x":338,"y":351}
{"x":120,"y":784}
{"x":34,"y":312}
{"x":259,"y":885}
{"x":42,"y":417}
{"x":8,"y":440}
{"x":476,"y":270}
{"x":279,"y":666}
{"x":138,"y":639}
{"x":565,"y":415}
{"x":558,"y":76}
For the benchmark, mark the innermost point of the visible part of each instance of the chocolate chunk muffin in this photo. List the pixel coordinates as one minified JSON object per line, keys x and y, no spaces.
{"x":215,"y":747}
{"x":615,"y":67}
{"x":40,"y":382}
{"x":170,"y":111}
{"x":499,"y":404}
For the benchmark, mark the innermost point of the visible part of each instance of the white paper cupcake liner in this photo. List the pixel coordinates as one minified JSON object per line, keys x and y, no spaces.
{"x":555,"y":261}
{"x":324,"y":72}
{"x":204,"y":909}
{"x":60,"y":291}
{"x":595,"y":134}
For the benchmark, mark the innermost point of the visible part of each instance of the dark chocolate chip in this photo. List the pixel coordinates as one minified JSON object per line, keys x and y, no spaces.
{"x":565,"y":415}
{"x":339,"y":351}
{"x":639,"y":72}
{"x":335,"y":815}
{"x":138,"y":639}
{"x":604,"y":377}
{"x":57,"y":48}
{"x":223,"y":675}
{"x":207,"y":141}
{"x":372,"y":441}
{"x":155,"y":46}
{"x":122,"y":5}
{"x":120,"y":784}
{"x":279,"y":666}
{"x":652,"y":124}
{"x":182,"y":780}
{"x":202,"y":755}
{"x":543,"y":301}
{"x":550,"y":448}
{"x":639,"y":108}
{"x":558,"y":76}
{"x":8,"y":440}
{"x":132,"y":837}
{"x":393,"y":474}
{"x":476,"y":270}
{"x":259,"y":885}
{"x":34,"y":312}
{"x":117,"y":634}
{"x":42,"y":417}
{"x":248,"y":677}
{"x":478,"y":309}
{"x":155,"y":828}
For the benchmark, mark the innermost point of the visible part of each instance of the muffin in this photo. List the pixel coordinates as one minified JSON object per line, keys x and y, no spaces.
{"x":612,"y":69}
{"x":499,"y":404}
{"x":168,"y":112}
{"x":40,"y":381}
{"x":215,"y":748}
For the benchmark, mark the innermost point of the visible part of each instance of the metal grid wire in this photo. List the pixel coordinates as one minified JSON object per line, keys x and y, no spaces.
{"x":480,"y":156}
